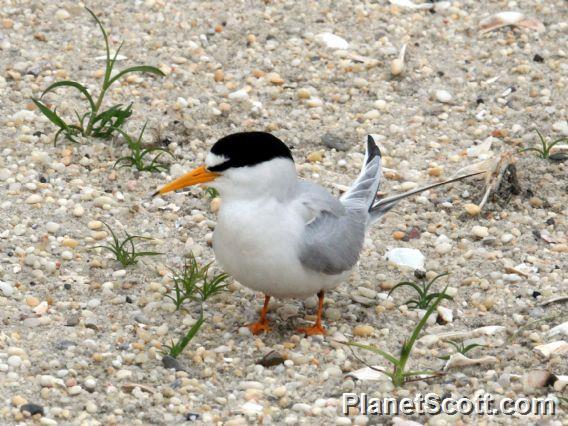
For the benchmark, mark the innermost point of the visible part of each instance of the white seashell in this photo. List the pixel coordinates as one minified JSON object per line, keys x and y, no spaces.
{"x":118,"y":58}
{"x":445,"y":313}
{"x":409,"y":4}
{"x":503,"y":19}
{"x":443,"y":96}
{"x":368,"y":373}
{"x":251,"y":408}
{"x":558,"y":299}
{"x":41,"y":308}
{"x":332,"y":41}
{"x":559,"y":329}
{"x":553,"y":348}
{"x":408,"y":257}
{"x":489,"y":330}
{"x":6,"y":289}
{"x":460,"y":360}
{"x":239,"y":95}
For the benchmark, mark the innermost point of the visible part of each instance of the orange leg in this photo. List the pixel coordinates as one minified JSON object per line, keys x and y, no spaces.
{"x":261,"y":325}
{"x":317,"y":328}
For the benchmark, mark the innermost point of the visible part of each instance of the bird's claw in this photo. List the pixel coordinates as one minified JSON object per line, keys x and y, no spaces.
{"x":259,"y":327}
{"x":316,"y":329}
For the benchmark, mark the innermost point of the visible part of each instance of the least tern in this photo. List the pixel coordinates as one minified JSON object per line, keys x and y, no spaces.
{"x":280,"y":235}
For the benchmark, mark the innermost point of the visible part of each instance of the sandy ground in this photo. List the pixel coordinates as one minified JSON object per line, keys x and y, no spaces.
{"x":92,"y":355}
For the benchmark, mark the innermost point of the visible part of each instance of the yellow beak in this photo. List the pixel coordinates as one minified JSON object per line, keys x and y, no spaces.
{"x":198,"y":175}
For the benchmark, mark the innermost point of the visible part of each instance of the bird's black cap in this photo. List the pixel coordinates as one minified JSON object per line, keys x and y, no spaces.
{"x":248,"y":149}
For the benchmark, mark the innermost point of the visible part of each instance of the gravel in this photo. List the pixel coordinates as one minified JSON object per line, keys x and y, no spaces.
{"x":82,"y":337}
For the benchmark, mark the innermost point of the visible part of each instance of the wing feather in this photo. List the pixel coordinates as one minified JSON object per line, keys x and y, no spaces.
{"x":333,"y":235}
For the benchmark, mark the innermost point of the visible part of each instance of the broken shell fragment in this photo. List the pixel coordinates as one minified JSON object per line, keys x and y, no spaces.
{"x":558,"y":299}
{"x":557,"y":347}
{"x":460,"y":360}
{"x":406,"y":257}
{"x":504,"y":19}
{"x":445,"y":314}
{"x":368,"y":373}
{"x":490,"y":330}
{"x":411,"y":5}
{"x":561,"y":329}
{"x":41,"y":308}
{"x":332,"y":41}
{"x":539,"y":378}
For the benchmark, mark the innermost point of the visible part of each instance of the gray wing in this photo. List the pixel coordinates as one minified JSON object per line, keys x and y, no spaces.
{"x":333,"y":236}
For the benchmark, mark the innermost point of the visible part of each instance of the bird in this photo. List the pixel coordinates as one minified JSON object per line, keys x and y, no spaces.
{"x":281,"y":235}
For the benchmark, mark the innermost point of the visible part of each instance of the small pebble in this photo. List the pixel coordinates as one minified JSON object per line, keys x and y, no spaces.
{"x":74,"y":390}
{"x":6,"y":289}
{"x":397,"y":66}
{"x":52,"y":227}
{"x":472,"y":209}
{"x":78,"y":211}
{"x":34,"y":199}
{"x":363,"y":330}
{"x":33,"y":409}
{"x":62,"y":14}
{"x":443,"y":96}
{"x":95,"y":224}
{"x":480,"y":231}
{"x":123,"y":374}
{"x":506,"y":238}
{"x":14,"y":361}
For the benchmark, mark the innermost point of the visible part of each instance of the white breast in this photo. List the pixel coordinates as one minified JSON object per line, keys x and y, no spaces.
{"x":256,"y":241}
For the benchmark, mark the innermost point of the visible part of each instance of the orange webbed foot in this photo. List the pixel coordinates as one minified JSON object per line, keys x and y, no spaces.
{"x":259,"y":327}
{"x":314,"y":330}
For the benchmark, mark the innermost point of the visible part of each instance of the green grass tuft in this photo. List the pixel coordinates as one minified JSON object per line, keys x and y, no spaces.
{"x":544,"y":150}
{"x":211,"y":192}
{"x":94,"y":122}
{"x":424,"y":297}
{"x":193,"y":284}
{"x":138,"y":154}
{"x":399,"y":375}
{"x":460,"y":348}
{"x":125,"y":251}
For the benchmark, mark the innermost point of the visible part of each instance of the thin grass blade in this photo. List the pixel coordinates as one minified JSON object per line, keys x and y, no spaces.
{"x":378,"y":351}
{"x":139,"y":68}
{"x":51,"y":115}
{"x":74,"y":84}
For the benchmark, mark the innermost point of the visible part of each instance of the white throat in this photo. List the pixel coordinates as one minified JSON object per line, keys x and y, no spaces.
{"x":275,"y":178}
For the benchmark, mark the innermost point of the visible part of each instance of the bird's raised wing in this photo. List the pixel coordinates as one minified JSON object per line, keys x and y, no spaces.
{"x":333,"y":235}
